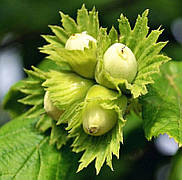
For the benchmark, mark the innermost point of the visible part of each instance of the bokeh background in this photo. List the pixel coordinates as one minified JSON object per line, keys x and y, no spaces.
{"x":21,"y":24}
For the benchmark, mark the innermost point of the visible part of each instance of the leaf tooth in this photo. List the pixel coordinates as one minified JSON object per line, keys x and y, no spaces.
{"x":157,"y":58}
{"x":93,"y":24}
{"x":30,"y":91}
{"x":35,"y":75}
{"x":100,"y":159}
{"x":124,"y":29}
{"x":69,"y":24}
{"x":44,"y":123}
{"x":60,"y":33}
{"x":151,"y":51}
{"x":113,"y":35}
{"x":147,"y":42}
{"x":82,"y":19}
{"x":53,"y":40}
{"x":35,"y":111}
{"x":32,"y":99}
{"x":139,"y":32}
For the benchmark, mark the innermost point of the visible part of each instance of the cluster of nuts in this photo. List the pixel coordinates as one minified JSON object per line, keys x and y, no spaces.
{"x":119,"y":62}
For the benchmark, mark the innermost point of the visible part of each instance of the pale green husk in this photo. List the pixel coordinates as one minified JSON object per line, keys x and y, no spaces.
{"x":145,"y":49}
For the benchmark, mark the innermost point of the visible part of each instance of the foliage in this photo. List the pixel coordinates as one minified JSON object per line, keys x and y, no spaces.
{"x":61,"y":74}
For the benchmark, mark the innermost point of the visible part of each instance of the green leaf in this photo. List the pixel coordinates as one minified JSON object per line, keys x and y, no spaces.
{"x":139,"y":32}
{"x":81,"y":62}
{"x":66,"y":88}
{"x":58,"y":135}
{"x":26,"y":154}
{"x":34,"y":92}
{"x":88,"y":21}
{"x":124,"y":28}
{"x":48,"y":64}
{"x":113,"y":35}
{"x":10,"y":102}
{"x":145,"y":49}
{"x":60,"y":33}
{"x":102,"y":147}
{"x":69,"y":24}
{"x":44,"y":122}
{"x":162,"y":108}
{"x":175,"y":171}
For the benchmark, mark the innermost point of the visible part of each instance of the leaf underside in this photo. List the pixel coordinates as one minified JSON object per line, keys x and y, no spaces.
{"x":162,"y":106}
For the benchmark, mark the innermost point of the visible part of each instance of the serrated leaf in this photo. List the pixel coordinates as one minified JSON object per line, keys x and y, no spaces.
{"x":10,"y":102}
{"x":60,"y":34}
{"x":48,"y":64}
{"x":102,"y":147}
{"x":162,"y":109}
{"x":69,"y":24}
{"x":66,"y":88}
{"x":139,"y":32}
{"x":81,"y":62}
{"x":113,"y":35}
{"x":26,"y":154}
{"x":145,"y":49}
{"x":44,"y":123}
{"x":98,"y":148}
{"x":54,"y":57}
{"x":124,"y":29}
{"x":53,"y":40}
{"x":58,"y":135}
{"x":88,"y":21}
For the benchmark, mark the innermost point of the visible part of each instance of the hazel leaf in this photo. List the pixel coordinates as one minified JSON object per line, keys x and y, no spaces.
{"x":27,"y":154}
{"x":162,"y":105}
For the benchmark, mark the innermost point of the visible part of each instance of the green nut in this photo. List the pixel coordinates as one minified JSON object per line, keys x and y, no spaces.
{"x":120,"y":62}
{"x":79,"y":41}
{"x":103,"y":108}
{"x":97,"y":120}
{"x":50,"y":109}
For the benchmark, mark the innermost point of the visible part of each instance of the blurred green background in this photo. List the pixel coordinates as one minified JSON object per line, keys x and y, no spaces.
{"x":21,"y":24}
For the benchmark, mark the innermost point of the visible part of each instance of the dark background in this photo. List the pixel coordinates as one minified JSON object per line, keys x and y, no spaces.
{"x":21,"y":24}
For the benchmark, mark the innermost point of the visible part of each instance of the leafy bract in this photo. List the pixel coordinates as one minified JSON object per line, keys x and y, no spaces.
{"x":162,"y":106}
{"x":10,"y":100}
{"x":145,"y":49}
{"x":82,"y":62}
{"x":66,"y":88}
{"x":99,"y":148}
{"x":26,"y":154}
{"x":34,"y":98}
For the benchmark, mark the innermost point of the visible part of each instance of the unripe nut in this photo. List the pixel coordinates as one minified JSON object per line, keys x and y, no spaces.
{"x":97,"y":120}
{"x":79,"y":41}
{"x":50,"y":109}
{"x":120,"y":62}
